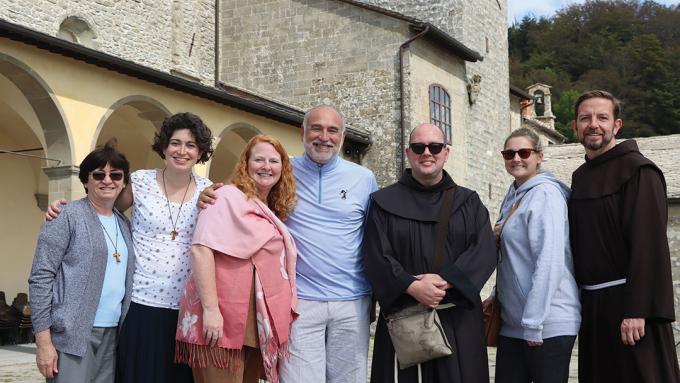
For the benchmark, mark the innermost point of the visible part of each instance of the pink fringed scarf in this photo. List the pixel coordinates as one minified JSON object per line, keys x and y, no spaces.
{"x":237,"y":229}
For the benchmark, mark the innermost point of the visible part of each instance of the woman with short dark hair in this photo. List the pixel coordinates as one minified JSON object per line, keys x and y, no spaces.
{"x":164,"y":214}
{"x":81,"y":279}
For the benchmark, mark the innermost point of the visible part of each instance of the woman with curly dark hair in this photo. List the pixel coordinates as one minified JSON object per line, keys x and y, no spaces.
{"x":164,"y":215}
{"x":239,"y":302}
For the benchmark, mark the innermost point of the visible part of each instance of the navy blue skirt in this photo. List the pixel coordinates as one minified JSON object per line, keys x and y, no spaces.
{"x":146,"y":347}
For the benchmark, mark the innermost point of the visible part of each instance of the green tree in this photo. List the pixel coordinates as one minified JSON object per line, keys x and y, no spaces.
{"x":627,"y":47}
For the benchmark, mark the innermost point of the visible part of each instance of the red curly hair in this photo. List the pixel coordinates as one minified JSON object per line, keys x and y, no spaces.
{"x":281,"y":199}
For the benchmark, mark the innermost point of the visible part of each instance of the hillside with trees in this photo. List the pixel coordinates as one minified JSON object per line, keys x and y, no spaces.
{"x":628,"y":47}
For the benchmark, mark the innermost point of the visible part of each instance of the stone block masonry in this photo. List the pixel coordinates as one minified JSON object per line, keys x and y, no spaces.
{"x":171,"y":36}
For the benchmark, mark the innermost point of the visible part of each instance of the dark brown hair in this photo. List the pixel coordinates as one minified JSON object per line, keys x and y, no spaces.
{"x":202,"y":135}
{"x":598,"y":94}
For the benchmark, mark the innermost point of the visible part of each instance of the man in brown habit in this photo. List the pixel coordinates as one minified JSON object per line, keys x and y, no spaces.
{"x":617,"y":217}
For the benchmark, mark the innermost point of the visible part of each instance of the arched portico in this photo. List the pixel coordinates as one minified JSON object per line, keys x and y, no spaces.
{"x":31,"y":125}
{"x":232,"y":140}
{"x":133,"y":120}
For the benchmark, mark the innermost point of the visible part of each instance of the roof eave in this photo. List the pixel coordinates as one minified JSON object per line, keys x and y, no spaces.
{"x":132,"y":69}
{"x":519,"y":92}
{"x":456,"y":46}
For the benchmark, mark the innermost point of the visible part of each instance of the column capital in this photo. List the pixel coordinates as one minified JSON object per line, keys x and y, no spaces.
{"x":57,"y":172}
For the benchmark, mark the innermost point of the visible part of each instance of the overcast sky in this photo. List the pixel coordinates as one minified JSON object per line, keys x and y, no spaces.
{"x":517,"y":9}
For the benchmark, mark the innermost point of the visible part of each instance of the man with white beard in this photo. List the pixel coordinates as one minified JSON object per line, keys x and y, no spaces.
{"x":329,"y":340}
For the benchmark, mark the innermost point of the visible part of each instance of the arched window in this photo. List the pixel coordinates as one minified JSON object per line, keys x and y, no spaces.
{"x":76,"y":30}
{"x":440,"y":110}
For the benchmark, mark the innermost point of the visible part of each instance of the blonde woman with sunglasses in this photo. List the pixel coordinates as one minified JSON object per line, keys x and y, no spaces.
{"x":540,"y":309}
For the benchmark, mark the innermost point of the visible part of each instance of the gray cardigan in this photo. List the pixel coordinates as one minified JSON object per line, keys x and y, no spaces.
{"x":68,"y":274}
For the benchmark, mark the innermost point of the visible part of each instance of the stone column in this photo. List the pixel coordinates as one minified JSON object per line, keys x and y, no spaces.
{"x":63,"y":182}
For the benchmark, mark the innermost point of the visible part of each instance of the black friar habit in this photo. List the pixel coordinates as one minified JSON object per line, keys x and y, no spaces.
{"x":399,"y":243}
{"x":617,"y":217}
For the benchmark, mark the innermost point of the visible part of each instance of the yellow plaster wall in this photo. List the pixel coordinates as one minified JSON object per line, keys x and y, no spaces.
{"x":428,"y":66}
{"x":85,"y":93}
{"x":21,"y":218}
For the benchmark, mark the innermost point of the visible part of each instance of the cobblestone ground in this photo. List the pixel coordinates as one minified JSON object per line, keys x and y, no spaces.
{"x":17,"y":364}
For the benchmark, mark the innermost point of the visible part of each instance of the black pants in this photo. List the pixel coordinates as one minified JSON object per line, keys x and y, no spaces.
{"x":516,"y":362}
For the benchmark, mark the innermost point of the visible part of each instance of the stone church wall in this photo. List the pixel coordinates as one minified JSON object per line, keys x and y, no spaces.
{"x":304,"y":53}
{"x":176,"y":36}
{"x":481,"y":26}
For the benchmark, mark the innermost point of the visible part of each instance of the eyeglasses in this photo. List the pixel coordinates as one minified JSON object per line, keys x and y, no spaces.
{"x":99,"y":175}
{"x":509,"y":154}
{"x":419,"y":148}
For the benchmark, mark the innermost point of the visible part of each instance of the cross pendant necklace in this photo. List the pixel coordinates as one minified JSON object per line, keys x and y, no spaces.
{"x":174,"y":233}
{"x":116,"y":254}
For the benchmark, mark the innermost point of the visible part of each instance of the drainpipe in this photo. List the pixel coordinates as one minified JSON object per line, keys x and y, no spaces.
{"x":402,"y":128}
{"x":217,"y":44}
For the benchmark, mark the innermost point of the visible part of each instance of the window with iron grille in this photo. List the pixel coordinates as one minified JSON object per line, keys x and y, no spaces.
{"x":440,"y":110}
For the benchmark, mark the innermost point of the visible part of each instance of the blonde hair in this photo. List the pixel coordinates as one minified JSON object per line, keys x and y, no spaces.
{"x":281,"y":199}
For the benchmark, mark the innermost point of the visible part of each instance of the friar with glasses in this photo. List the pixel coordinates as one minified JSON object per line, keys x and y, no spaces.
{"x":399,"y":247}
{"x":81,"y":279}
{"x":617,"y":216}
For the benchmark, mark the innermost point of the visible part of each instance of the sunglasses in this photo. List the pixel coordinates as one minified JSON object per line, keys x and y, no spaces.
{"x":434,"y":148}
{"x":99,"y":175}
{"x":509,"y":154}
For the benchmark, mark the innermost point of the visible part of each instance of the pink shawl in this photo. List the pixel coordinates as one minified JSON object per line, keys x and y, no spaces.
{"x":236,"y":229}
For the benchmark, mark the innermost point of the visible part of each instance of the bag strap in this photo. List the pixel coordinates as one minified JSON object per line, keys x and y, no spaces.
{"x":498,"y":242}
{"x":500,"y":232}
{"x":442,"y":229}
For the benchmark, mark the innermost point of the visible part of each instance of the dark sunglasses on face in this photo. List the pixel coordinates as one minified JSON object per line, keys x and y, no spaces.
{"x":99,"y":175}
{"x":509,"y":154}
{"x":434,"y":147}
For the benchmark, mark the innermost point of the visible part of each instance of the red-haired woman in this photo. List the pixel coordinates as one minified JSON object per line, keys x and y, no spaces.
{"x":239,"y":303}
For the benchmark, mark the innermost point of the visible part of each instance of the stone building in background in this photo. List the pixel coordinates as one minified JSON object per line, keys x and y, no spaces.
{"x":388,"y":65}
{"x":536,"y":114}
{"x":75,"y":73}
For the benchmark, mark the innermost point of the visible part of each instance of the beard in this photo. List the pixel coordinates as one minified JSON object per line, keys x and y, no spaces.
{"x":594,"y":145}
{"x":321,"y":157}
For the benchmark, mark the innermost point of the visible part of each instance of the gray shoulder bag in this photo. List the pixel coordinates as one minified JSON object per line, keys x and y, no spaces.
{"x":416,"y":331}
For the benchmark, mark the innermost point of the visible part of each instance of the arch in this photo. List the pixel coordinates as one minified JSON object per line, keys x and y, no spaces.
{"x":56,"y":138}
{"x":76,"y":30}
{"x":539,"y":103}
{"x":32,"y":121}
{"x":133,"y":120}
{"x":243,"y":130}
{"x":231,"y":142}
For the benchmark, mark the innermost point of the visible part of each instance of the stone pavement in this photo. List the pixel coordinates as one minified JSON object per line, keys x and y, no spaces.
{"x":17,"y":364}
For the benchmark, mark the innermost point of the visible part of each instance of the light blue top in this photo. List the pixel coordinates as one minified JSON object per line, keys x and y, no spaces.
{"x":328,"y":227}
{"x":536,"y":286}
{"x":113,"y":290}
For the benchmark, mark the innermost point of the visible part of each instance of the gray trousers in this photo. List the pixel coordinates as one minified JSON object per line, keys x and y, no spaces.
{"x":329,"y":343}
{"x":98,"y":365}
